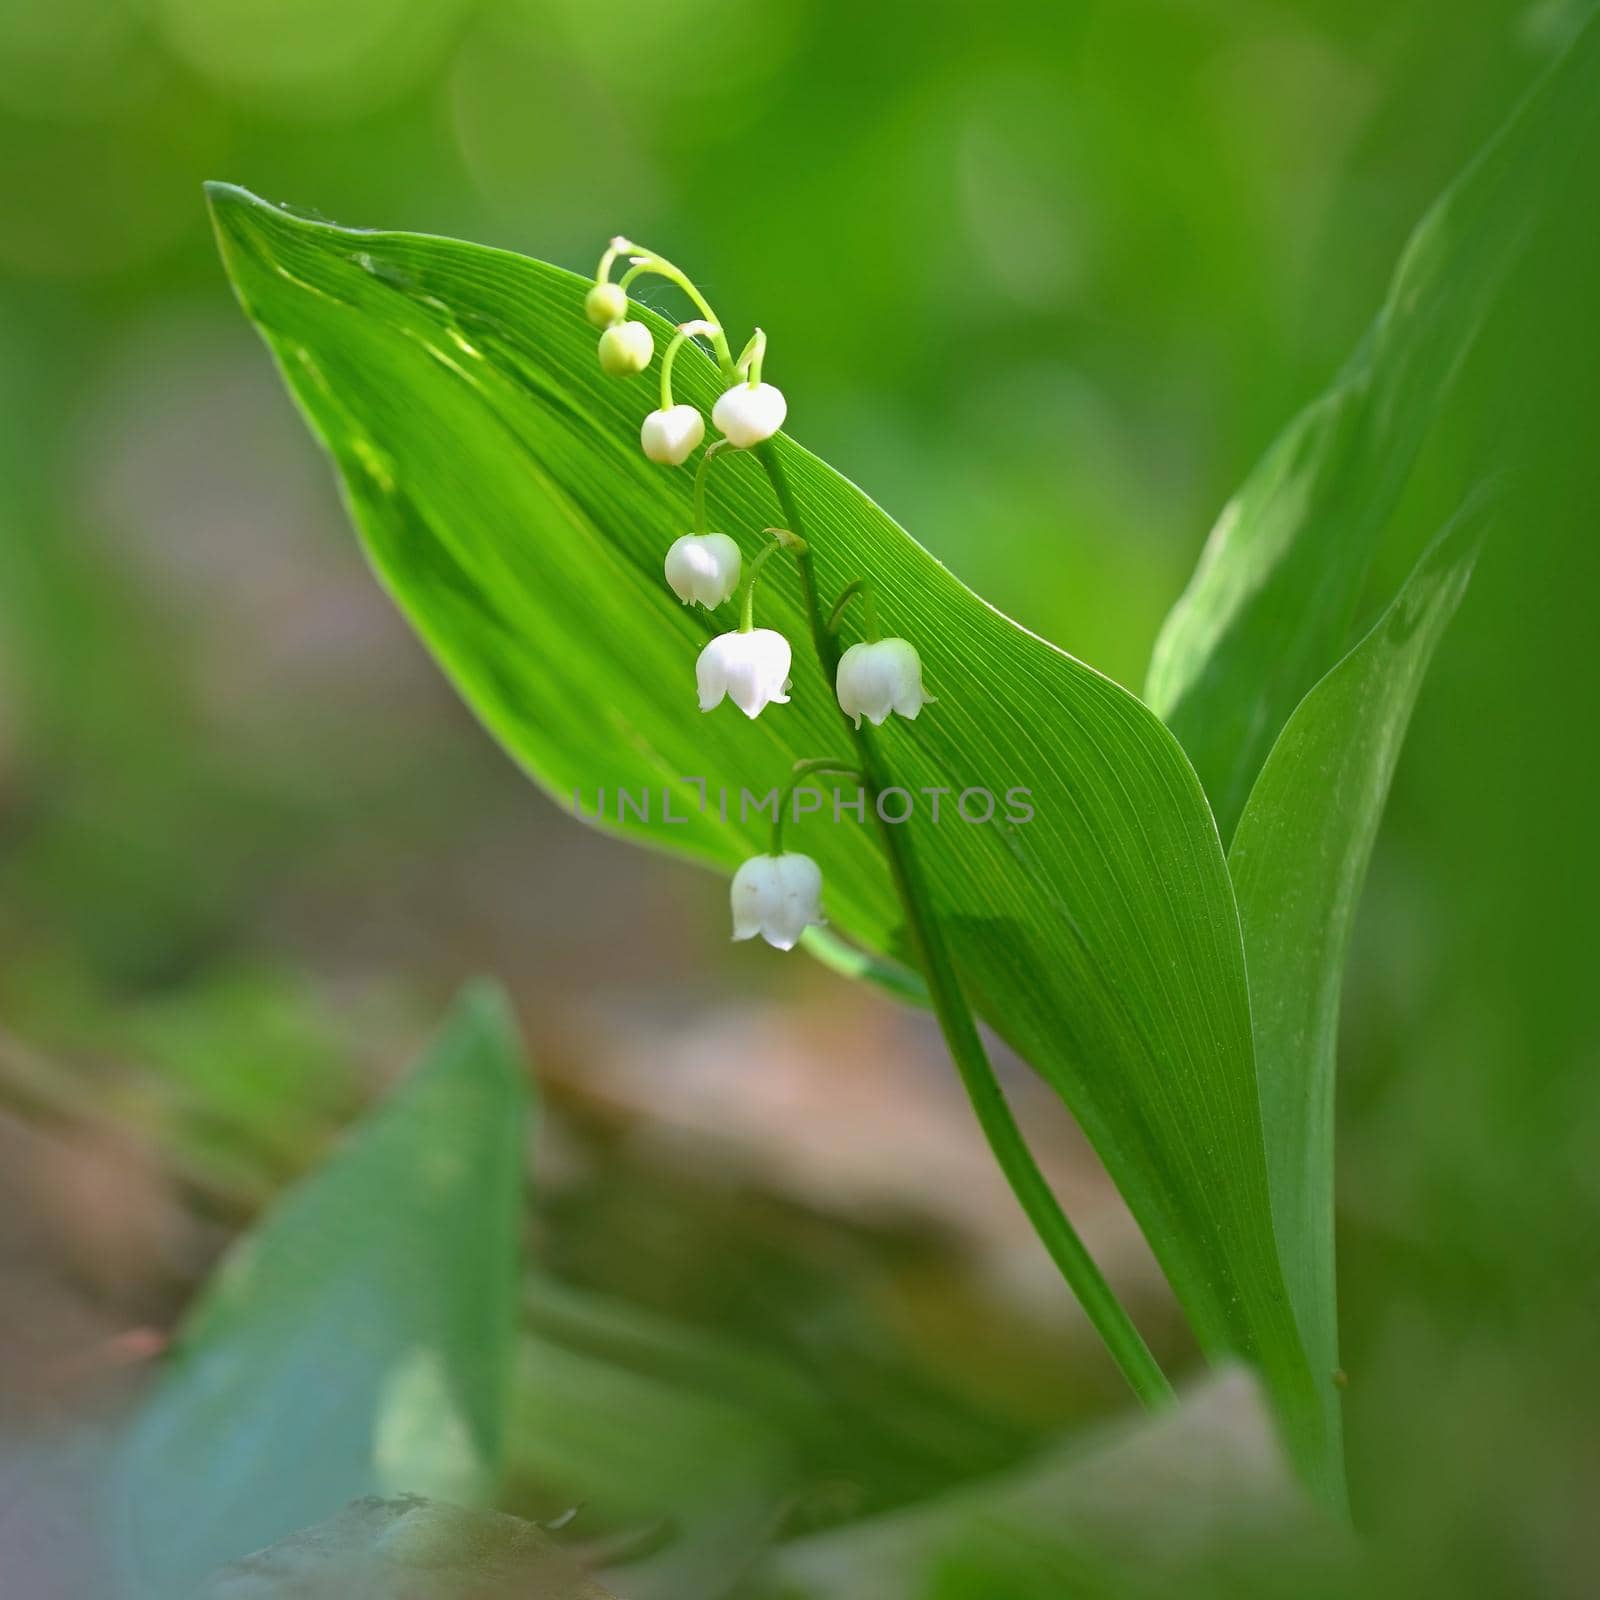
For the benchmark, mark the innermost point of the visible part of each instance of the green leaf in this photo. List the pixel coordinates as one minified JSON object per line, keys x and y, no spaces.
{"x":1138,"y":1508}
{"x":496,"y":478}
{"x":637,"y":1418}
{"x":1298,"y":862}
{"x":1271,"y":604}
{"x":408,"y":1548}
{"x":360,"y":1340}
{"x":647,"y":1425}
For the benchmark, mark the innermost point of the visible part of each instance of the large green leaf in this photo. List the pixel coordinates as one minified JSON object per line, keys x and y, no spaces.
{"x":1298,"y":860}
{"x":360,"y":1341}
{"x":497,"y":481}
{"x":1270,"y":606}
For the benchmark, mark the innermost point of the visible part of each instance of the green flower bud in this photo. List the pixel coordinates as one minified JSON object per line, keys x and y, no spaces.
{"x":626,"y":349}
{"x":605,"y":304}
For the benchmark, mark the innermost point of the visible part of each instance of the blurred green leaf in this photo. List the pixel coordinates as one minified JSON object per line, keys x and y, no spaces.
{"x":407,"y":1548}
{"x":700,"y":1467}
{"x":360,"y":1340}
{"x":635,"y":1416}
{"x":497,"y":480}
{"x":1137,"y":1509}
{"x":1298,"y":862}
{"x":1271,"y":603}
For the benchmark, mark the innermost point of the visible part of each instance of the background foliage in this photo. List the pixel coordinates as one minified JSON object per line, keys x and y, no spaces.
{"x":1047,"y":280}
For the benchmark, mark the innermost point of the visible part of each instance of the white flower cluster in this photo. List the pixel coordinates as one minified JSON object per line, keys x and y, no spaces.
{"x":777,"y":895}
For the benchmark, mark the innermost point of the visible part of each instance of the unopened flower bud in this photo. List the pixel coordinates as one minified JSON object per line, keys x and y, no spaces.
{"x":626,"y":349}
{"x":875,"y":679}
{"x":748,"y":415}
{"x":778,"y":897}
{"x":751,"y":669}
{"x":670,"y":436}
{"x":604,"y":304}
{"x":703,"y":568}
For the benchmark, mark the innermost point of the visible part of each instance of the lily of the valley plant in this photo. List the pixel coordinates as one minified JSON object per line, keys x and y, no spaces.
{"x":751,"y":666}
{"x":778,"y":896}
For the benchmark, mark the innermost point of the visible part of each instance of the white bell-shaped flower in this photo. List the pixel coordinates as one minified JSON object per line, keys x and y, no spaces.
{"x":875,"y":679}
{"x":626,"y":349}
{"x":778,"y":897}
{"x":703,"y":568}
{"x":747,"y":415}
{"x":671,"y":435}
{"x":751,"y":669}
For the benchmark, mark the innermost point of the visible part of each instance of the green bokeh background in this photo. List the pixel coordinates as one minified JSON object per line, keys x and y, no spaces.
{"x":1045,"y":278}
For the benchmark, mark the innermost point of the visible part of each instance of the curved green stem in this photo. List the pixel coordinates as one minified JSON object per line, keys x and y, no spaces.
{"x":1107,"y":1313}
{"x":613,"y":250}
{"x":802,"y":771}
{"x":747,"y":609}
{"x":647,"y":262}
{"x":751,"y":357}
{"x":869,"y":606}
{"x":686,"y":331}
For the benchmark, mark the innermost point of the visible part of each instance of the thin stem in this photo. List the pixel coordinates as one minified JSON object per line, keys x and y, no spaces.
{"x":613,"y":250}
{"x":802,"y":771}
{"x":751,"y":357}
{"x":812,"y":764}
{"x":1111,"y":1320}
{"x":869,"y":607}
{"x":648,"y":262}
{"x":715,"y":448}
{"x":747,"y":611}
{"x":686,"y":331}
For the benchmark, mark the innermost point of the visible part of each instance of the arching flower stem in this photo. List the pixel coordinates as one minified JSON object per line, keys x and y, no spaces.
{"x":747,"y":609}
{"x":751,"y":357}
{"x":645,"y":262}
{"x":802,"y":771}
{"x":869,"y":607}
{"x":686,"y":331}
{"x":1056,"y":1233}
{"x":617,"y":247}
